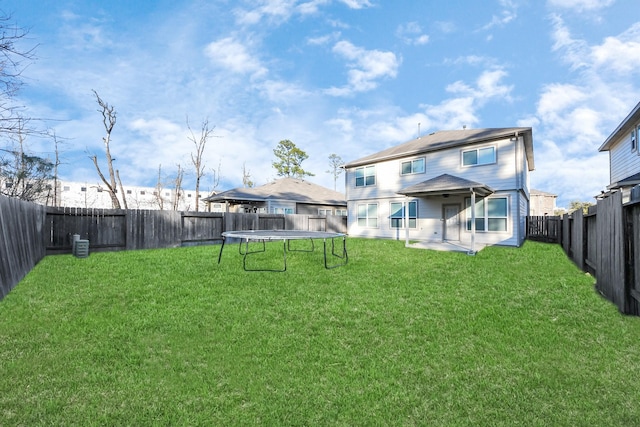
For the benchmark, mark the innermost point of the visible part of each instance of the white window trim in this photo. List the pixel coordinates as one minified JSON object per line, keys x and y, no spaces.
{"x":364,"y":170}
{"x":391,"y":218}
{"x":477,"y":149}
{"x":424,"y":166}
{"x":367,"y":217}
{"x":485,"y":216}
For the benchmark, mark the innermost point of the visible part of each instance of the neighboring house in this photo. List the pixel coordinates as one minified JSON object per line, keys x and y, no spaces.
{"x":440,"y":176}
{"x":282,"y":196}
{"x":542,"y":203}
{"x":94,"y":195}
{"x":624,"y":155}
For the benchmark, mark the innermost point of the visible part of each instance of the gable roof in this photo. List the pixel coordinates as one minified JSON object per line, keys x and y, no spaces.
{"x":446,"y":184}
{"x":625,"y":126}
{"x":291,"y":189}
{"x":446,"y":139}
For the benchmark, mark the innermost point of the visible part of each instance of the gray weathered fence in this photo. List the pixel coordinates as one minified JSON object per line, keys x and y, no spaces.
{"x":29,"y":231}
{"x":21,"y":240}
{"x":604,"y":242}
{"x":111,"y":229}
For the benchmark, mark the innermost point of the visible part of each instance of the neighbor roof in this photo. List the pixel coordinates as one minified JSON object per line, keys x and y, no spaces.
{"x":446,"y":184}
{"x":624,"y":127}
{"x":292,"y":189}
{"x":447,"y":139}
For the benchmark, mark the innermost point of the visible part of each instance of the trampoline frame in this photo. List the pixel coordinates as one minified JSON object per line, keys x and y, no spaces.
{"x":286,"y":236}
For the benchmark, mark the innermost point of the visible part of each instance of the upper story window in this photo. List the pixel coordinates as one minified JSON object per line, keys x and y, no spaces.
{"x":634,"y":143}
{"x":365,"y":176}
{"x":412,"y":166}
{"x":479,"y":156}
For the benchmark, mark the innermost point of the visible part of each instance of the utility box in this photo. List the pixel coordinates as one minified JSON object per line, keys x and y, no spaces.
{"x":81,"y":248}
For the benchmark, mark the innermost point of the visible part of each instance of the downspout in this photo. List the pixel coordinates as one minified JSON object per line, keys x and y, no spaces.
{"x":472,"y":251}
{"x":519,"y":183}
{"x":405,"y":206}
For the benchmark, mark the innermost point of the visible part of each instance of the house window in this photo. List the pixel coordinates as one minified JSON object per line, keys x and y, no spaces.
{"x":83,"y":188}
{"x":325,"y":212}
{"x":66,"y":188}
{"x":342,"y":212}
{"x":99,"y":190}
{"x":412,"y":166}
{"x":365,"y":176}
{"x":397,"y":214}
{"x":142,"y":193}
{"x":128,"y":191}
{"x":491,"y":214}
{"x":368,"y":215}
{"x":634,"y":144}
{"x":479,"y":156}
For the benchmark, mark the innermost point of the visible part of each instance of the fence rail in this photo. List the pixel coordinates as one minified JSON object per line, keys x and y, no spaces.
{"x":604,"y":242}
{"x":29,"y":231}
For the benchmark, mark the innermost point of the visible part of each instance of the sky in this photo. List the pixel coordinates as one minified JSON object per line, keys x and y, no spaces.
{"x":344,"y":77}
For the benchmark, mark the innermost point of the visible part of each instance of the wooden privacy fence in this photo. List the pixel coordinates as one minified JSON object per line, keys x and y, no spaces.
{"x":604,"y":242}
{"x":21,"y":240}
{"x":111,"y":229}
{"x":29,"y":231}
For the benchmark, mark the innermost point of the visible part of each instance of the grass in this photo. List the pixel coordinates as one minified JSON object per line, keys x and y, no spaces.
{"x":397,"y":337}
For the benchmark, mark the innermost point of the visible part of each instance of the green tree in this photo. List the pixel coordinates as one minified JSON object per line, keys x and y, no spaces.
{"x":289,"y":159}
{"x":576,"y":204}
{"x":23,"y":175}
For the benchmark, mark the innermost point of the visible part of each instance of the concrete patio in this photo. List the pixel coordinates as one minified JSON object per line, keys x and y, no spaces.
{"x":447,"y":246}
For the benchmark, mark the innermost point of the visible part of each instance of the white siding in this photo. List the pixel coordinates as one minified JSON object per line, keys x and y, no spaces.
{"x":624,"y":161}
{"x":508,"y":176}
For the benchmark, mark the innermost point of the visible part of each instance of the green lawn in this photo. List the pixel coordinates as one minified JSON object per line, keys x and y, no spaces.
{"x":396,"y":337}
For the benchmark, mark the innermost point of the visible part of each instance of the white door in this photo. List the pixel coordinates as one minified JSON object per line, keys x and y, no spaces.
{"x":451,"y":222}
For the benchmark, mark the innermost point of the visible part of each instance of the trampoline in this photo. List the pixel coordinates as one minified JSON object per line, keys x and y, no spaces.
{"x":338,"y":254}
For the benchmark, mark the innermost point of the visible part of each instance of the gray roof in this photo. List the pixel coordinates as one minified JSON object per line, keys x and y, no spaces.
{"x":290,"y":189}
{"x":624,"y":127}
{"x":446,"y":139}
{"x":446,"y":184}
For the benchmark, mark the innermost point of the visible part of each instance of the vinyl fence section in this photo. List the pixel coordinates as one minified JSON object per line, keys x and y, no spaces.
{"x":604,"y":242}
{"x":22,"y":243}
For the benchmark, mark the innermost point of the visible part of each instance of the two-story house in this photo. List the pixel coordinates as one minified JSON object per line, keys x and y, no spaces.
{"x":624,"y":155}
{"x":424,"y":189}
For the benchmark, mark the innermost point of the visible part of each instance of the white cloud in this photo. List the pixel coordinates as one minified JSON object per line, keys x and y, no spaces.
{"x":366,"y":67}
{"x":272,"y":10}
{"x":356,"y":4}
{"x":411,"y":33}
{"x":233,"y":55}
{"x":580,"y":5}
{"x":619,"y":54}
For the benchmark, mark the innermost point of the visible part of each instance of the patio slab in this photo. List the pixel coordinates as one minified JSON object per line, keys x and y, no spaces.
{"x":445,"y":246}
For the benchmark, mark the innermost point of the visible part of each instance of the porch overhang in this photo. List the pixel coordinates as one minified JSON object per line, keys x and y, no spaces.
{"x":446,"y":185}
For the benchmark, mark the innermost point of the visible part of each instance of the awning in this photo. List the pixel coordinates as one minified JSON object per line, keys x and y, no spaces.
{"x":446,"y":184}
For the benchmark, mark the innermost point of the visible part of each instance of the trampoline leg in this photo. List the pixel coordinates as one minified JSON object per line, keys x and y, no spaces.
{"x":342,"y":256}
{"x":221,"y":248}
{"x":284,"y":258}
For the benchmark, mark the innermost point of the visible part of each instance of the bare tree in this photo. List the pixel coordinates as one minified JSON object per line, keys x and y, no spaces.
{"x":335,"y":164}
{"x":177,"y":185}
{"x":247,"y":182}
{"x":159,"y":187}
{"x":200,"y":141}
{"x":12,"y":64}
{"x":109,"y":121}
